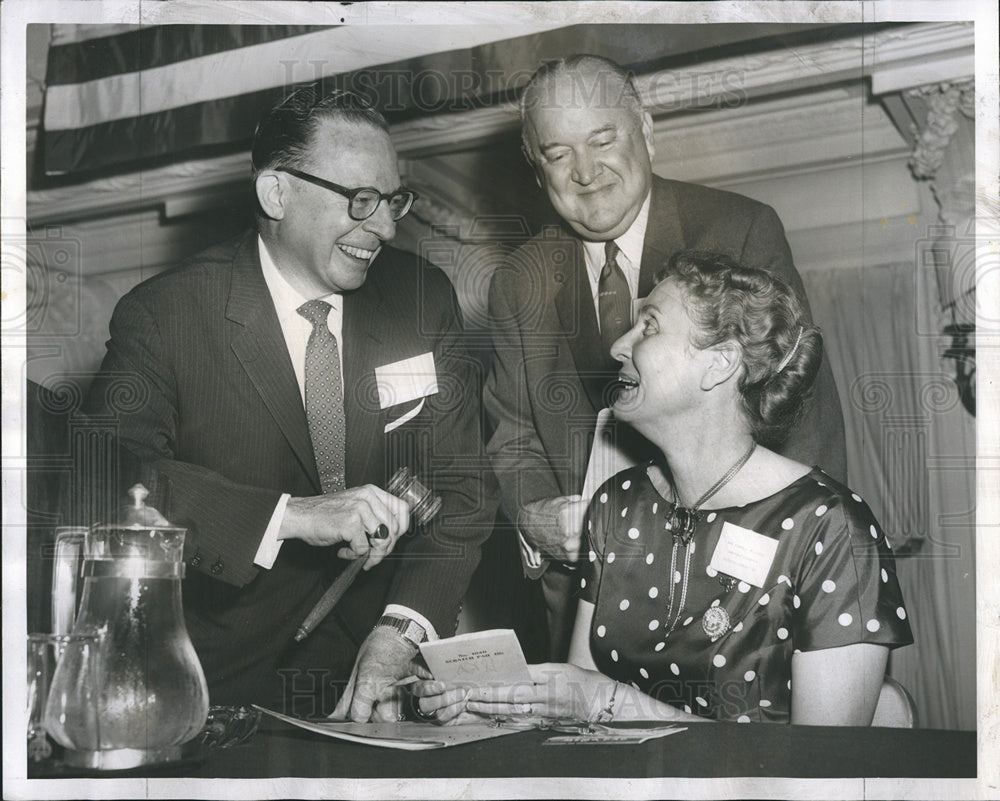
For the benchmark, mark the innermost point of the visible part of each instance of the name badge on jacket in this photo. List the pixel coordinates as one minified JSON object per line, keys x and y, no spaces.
{"x":404,"y":381}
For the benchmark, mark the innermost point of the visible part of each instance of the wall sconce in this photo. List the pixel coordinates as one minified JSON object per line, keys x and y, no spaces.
{"x":964,"y":355}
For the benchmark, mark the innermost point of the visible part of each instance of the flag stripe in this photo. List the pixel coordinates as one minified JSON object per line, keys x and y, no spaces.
{"x":251,"y":69}
{"x":185,"y":132}
{"x":156,"y":46}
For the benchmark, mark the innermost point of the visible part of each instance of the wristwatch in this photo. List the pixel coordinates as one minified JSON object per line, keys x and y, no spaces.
{"x":410,"y":630}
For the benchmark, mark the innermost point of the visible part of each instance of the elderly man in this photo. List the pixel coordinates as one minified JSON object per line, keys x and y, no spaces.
{"x":280,"y":380}
{"x":562,"y":300}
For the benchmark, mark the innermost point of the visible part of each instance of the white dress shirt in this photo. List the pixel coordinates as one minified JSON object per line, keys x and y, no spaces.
{"x":296,"y":330}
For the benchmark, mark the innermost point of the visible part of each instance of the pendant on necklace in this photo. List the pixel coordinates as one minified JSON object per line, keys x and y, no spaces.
{"x":715,"y":622}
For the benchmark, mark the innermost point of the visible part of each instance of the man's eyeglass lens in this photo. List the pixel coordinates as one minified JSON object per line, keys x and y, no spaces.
{"x":362,"y":202}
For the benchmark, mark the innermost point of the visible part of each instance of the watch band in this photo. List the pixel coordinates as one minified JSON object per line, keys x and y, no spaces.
{"x":409,"y":629}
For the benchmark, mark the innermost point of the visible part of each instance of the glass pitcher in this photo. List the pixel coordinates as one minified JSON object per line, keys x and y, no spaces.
{"x":141,"y":693}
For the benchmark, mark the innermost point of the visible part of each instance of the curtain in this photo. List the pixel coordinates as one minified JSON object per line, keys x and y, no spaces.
{"x":911,"y":455}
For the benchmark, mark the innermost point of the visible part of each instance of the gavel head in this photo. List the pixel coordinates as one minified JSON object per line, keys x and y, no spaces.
{"x":423,"y":505}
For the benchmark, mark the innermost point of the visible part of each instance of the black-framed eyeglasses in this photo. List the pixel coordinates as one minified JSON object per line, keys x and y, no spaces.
{"x":363,"y":201}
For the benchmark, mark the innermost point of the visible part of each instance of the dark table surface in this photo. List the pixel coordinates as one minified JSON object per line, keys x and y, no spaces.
{"x":704,"y":750}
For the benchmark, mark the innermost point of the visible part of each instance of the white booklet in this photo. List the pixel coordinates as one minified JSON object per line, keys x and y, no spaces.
{"x":479,"y":657}
{"x":406,"y":735}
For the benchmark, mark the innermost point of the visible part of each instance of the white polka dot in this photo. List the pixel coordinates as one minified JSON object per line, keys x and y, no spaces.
{"x":687,"y":622}
{"x":765,"y":703}
{"x":592,"y":556}
{"x":644,"y":673}
{"x":687,"y":709}
{"x":796,"y":601}
{"x":715,"y":602}
{"x":788,"y":684}
{"x":604,"y":497}
{"x":845,"y":619}
{"x":829,"y":585}
{"x":655,"y":507}
{"x":659,"y":646}
{"x":784,"y":579}
{"x":856,"y":497}
{"x":649,"y":558}
{"x":583,"y":583}
{"x":611,"y":557}
{"x":719,"y":660}
{"x":820,"y":510}
{"x":711,"y":517}
{"x":764,"y":599}
{"x":624,"y":511}
{"x":743,"y":586}
{"x":653,"y":592}
{"x":674,"y":669}
{"x":900,"y":613}
{"x":742,"y":719}
{"x":818,"y":547}
{"x":654,"y":625}
{"x":590,"y":525}
{"x":749,"y":676}
{"x":626,"y":484}
{"x":873,"y":531}
{"x":677,"y":577}
{"x":738,"y":627}
{"x":602,"y":630}
{"x":885,"y":576}
{"x":711,"y":571}
{"x":797,"y":651}
{"x":701,"y":701}
{"x":624,"y":604}
{"x":782,"y":633}
{"x":614,"y":655}
{"x":888,"y":544}
{"x":787,"y":524}
{"x":633,"y":533}
{"x":873,"y":625}
{"x":693,"y":546}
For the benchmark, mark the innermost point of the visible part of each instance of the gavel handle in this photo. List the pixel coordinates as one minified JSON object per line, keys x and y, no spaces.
{"x":330,"y":597}
{"x":336,"y":591}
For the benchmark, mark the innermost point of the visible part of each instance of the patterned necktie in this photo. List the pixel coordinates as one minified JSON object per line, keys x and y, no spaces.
{"x":614,"y":301}
{"x":325,"y":397}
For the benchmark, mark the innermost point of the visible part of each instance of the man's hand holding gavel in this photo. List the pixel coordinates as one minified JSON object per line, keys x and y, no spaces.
{"x":349,"y":517}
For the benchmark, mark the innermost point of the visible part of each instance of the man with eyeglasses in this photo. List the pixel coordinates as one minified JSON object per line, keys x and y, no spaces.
{"x":282,"y":378}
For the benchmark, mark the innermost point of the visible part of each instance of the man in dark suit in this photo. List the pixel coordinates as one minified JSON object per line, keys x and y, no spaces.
{"x":565,"y":296}
{"x":279,"y":380}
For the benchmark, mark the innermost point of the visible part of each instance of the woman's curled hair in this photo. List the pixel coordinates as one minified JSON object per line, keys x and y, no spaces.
{"x":727,"y":301}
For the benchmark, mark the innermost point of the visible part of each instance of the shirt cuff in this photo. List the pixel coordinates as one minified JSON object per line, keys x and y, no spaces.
{"x":405,"y":611}
{"x":531,"y":555}
{"x":270,"y":545}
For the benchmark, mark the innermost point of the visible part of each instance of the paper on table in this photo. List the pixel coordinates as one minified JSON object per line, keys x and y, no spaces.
{"x":407,"y":735}
{"x":607,"y":735}
{"x":609,"y":454}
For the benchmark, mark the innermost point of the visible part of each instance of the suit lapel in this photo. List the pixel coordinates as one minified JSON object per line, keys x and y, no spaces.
{"x":364,"y":311}
{"x":259,"y":345}
{"x":664,"y":236}
{"x":574,"y":305}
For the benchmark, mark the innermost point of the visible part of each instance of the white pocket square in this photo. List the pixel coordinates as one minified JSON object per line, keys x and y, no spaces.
{"x":404,"y":418}
{"x":406,"y":380}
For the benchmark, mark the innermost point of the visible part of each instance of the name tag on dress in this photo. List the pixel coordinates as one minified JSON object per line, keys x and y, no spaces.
{"x":744,"y":554}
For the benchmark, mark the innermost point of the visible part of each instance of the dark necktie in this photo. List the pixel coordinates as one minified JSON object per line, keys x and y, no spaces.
{"x":614,"y":301}
{"x":325,"y":397}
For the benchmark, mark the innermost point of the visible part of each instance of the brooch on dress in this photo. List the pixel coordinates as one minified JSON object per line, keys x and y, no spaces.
{"x":715,"y":622}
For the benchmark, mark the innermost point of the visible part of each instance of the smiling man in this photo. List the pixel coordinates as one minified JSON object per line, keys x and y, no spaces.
{"x":561,"y":300}
{"x":280,"y":380}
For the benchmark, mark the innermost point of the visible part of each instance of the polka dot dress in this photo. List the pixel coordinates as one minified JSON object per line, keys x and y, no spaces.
{"x":832,"y":582}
